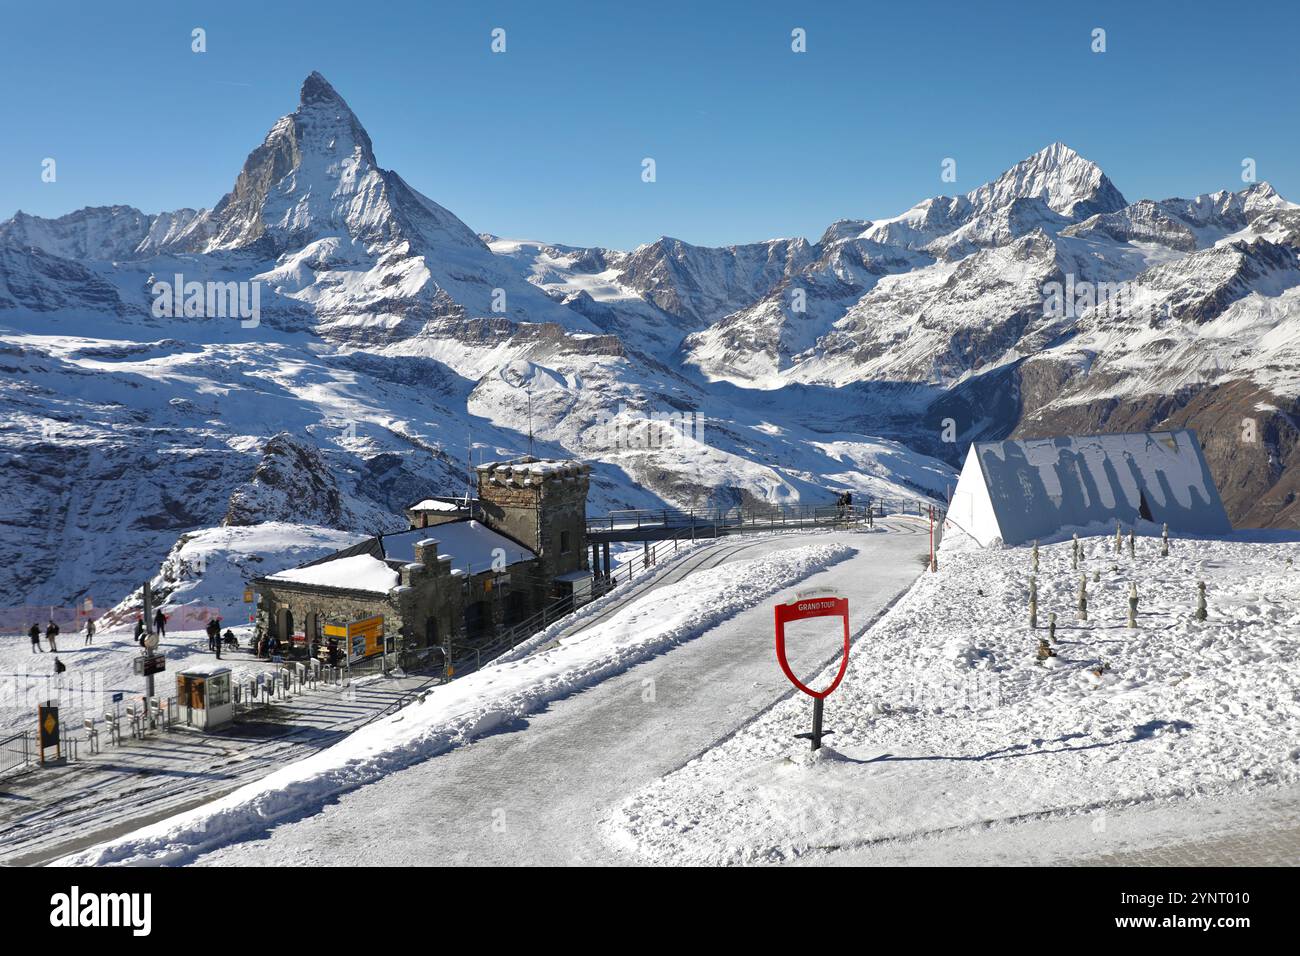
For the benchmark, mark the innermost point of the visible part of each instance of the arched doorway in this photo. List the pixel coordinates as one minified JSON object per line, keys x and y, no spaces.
{"x":283,"y":624}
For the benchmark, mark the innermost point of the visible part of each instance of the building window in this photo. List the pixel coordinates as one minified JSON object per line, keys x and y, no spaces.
{"x":565,"y":544}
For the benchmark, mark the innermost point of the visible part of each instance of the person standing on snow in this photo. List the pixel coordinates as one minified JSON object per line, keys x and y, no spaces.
{"x":160,"y":624}
{"x":35,"y":635}
{"x":51,"y":635}
{"x":139,"y":630}
{"x":90,"y":631}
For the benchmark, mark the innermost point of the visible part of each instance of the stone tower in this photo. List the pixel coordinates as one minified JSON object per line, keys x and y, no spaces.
{"x":541,"y":504}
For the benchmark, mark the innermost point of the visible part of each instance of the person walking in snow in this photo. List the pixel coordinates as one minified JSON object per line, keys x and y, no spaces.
{"x":35,"y":635}
{"x":90,"y":631}
{"x":51,"y":635}
{"x":160,"y":624}
{"x":139,"y":629}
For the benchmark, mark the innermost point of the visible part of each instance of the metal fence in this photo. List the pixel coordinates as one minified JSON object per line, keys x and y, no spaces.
{"x":755,"y":516}
{"x":16,"y":750}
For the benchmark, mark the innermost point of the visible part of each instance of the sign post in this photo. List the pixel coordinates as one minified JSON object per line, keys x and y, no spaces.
{"x":810,"y":604}
{"x":47,"y":720}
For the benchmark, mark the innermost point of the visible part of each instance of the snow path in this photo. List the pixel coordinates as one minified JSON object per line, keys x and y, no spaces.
{"x":389,"y":757}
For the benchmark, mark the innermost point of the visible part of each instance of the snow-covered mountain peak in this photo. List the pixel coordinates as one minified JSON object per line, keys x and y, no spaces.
{"x":314,"y":173}
{"x":325,"y":122}
{"x":1068,"y":183}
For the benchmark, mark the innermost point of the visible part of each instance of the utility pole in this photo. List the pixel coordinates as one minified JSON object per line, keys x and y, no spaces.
{"x":469,"y":473}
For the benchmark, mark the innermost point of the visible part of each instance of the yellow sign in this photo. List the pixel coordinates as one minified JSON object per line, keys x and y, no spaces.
{"x":248,"y":597}
{"x":367,"y":636}
{"x":364,"y":638}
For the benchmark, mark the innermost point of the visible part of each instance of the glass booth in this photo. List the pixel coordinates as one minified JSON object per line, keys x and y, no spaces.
{"x":203,"y":697}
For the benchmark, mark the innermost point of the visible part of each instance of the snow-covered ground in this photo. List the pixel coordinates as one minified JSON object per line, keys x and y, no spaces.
{"x":205,"y":573}
{"x":947,"y":723}
{"x":478,"y":704}
{"x":98,"y":671}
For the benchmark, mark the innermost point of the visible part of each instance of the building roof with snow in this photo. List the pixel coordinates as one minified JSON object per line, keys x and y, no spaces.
{"x":374,"y":564}
{"x":470,"y":544}
{"x":1023,"y":490}
{"x":441,"y":504}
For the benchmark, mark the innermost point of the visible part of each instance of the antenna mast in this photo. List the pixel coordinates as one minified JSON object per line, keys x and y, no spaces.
{"x":530,"y":423}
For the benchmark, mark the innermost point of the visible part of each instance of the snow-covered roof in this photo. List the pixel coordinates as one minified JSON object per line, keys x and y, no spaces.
{"x":433,"y":504}
{"x":1027,"y":489}
{"x":203,"y":670}
{"x":536,"y":467}
{"x":359,"y":572}
{"x":469,"y":543}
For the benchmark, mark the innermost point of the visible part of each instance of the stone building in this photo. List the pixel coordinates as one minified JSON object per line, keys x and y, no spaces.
{"x":459,"y":579}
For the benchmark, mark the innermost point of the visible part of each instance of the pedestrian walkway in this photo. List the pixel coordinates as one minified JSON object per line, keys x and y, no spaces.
{"x":1272,"y":843}
{"x":48,"y":811}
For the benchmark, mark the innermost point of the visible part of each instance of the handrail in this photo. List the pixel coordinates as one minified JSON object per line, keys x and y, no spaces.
{"x":736,"y":516}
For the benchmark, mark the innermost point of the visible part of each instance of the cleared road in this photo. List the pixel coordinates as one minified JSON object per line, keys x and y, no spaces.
{"x":536,"y":792}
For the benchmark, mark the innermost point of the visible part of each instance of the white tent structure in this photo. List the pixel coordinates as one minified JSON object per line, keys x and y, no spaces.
{"x":1024,"y":490}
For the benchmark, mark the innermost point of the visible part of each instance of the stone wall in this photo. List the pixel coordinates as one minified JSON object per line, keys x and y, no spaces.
{"x":542,"y":505}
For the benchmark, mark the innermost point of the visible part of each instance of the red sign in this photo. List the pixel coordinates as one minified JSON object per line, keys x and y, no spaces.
{"x":800,"y":609}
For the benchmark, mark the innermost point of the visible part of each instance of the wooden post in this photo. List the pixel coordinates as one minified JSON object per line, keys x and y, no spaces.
{"x":1200,"y":601}
{"x":1133,"y":605}
{"x":1083,"y":597}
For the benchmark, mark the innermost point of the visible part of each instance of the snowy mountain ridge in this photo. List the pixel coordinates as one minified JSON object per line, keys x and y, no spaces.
{"x":395,"y":343}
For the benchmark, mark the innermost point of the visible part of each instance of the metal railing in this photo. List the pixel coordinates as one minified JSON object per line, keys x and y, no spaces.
{"x":758,"y":516}
{"x":16,"y":751}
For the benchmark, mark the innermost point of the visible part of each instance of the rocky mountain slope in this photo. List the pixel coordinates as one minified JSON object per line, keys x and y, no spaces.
{"x":394,"y":344}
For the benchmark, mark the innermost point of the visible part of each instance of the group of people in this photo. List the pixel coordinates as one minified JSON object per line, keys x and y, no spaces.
{"x":214,"y":635}
{"x":267,"y":646}
{"x":159,"y":626}
{"x":51,"y":637}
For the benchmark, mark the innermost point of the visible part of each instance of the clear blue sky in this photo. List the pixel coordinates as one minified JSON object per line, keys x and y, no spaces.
{"x":751,"y":140}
